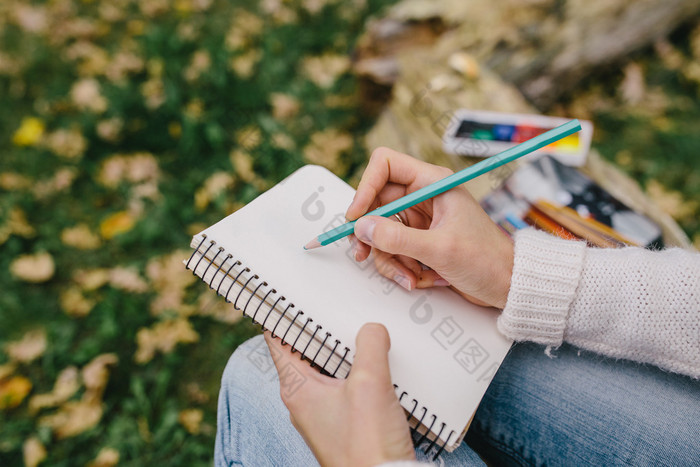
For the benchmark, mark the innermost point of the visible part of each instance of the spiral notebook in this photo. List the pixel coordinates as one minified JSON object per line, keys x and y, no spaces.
{"x":444,"y":350}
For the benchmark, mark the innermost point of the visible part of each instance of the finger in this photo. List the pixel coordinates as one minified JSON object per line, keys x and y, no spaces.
{"x":429,"y":278}
{"x":396,"y":238}
{"x":386,"y":165}
{"x":389,"y":266}
{"x":413,"y":265}
{"x":283,"y":357}
{"x":361,"y":250}
{"x":371,"y":363}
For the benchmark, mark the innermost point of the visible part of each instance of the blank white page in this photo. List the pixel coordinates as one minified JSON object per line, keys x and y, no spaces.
{"x":444,"y":350}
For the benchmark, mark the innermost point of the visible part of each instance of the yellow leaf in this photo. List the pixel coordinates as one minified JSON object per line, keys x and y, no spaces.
{"x":29,"y":133}
{"x":13,"y":391}
{"x":34,"y":452}
{"x":33,"y":268}
{"x":31,"y":346}
{"x":118,"y":223}
{"x":191,"y":419}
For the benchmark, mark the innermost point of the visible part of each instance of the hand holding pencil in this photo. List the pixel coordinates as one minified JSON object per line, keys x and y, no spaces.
{"x":449,"y":233}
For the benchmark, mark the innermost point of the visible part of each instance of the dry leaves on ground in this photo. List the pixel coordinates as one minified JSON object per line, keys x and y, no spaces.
{"x":163,"y":337}
{"x":34,"y":268}
{"x":81,"y":237}
{"x":66,"y":385}
{"x":170,"y":279}
{"x":33,"y":451}
{"x":191,"y":419}
{"x":13,"y":390}
{"x":326,"y":148}
{"x":30,"y":347}
{"x":107,"y":457}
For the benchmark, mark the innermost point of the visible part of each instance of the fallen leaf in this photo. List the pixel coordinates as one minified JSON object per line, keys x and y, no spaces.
{"x":91,"y":279}
{"x":18,"y":224}
{"x":325,"y":69}
{"x":33,"y":451}
{"x":66,"y":385}
{"x":217,"y":308}
{"x":138,"y":167}
{"x":30,"y":347}
{"x":74,"y":303}
{"x":12,"y":181}
{"x":242,"y":164}
{"x":61,"y":181}
{"x":127,"y":279}
{"x":326,"y":147}
{"x":244,"y":64}
{"x":201,"y":62}
{"x":118,"y":223}
{"x":243,"y":31}
{"x":191,"y":419}
{"x":213,"y":187}
{"x":110,"y":129}
{"x":81,"y":237}
{"x":13,"y":391}
{"x":69,"y":144}
{"x":35,"y":268}
{"x":107,"y":457}
{"x":29,"y":133}
{"x":73,"y":418}
{"x":169,"y":279}
{"x":86,"y":96}
{"x":96,"y":374}
{"x":284,"y":106}
{"x":163,"y":337}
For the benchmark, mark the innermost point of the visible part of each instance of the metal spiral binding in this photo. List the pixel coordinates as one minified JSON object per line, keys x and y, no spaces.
{"x":245,"y":280}
{"x":243,"y":284}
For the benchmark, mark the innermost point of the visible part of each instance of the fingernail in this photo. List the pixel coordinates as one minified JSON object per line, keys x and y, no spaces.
{"x":441,"y":283}
{"x":364,"y":230}
{"x":355,"y":249}
{"x":403,"y":281}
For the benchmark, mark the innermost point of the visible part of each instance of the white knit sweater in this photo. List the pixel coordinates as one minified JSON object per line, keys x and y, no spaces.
{"x":626,"y":303}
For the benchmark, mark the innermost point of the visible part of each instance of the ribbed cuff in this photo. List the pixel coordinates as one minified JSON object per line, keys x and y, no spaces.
{"x":546,"y":274}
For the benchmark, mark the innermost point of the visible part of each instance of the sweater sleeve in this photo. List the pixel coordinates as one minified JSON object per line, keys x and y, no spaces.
{"x":627,"y":303}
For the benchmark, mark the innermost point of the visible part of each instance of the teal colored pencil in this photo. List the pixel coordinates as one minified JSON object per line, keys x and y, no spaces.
{"x":447,"y":183}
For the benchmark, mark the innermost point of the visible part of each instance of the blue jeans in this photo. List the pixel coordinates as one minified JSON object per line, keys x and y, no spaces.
{"x":574,"y":408}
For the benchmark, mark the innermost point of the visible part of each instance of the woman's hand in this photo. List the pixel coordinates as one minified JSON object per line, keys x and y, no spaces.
{"x":449,"y":233}
{"x":357,"y":421}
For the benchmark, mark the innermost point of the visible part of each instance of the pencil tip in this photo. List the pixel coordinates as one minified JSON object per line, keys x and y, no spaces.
{"x":312,"y":244}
